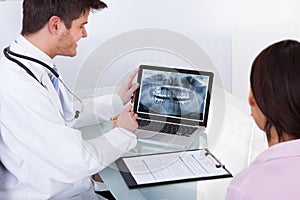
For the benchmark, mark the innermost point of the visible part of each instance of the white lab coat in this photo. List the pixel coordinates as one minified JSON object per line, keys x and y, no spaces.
{"x":42,"y":156}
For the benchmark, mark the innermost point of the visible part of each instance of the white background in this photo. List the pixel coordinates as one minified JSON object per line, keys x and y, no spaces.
{"x":230,"y":32}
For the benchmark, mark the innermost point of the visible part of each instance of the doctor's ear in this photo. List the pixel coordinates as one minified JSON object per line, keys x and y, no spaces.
{"x":54,"y":24}
{"x":251,"y":99}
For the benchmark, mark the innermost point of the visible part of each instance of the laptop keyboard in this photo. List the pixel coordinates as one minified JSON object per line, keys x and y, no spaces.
{"x":169,"y":128}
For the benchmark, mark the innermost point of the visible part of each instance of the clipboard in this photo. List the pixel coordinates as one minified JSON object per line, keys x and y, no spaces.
{"x":171,"y":167}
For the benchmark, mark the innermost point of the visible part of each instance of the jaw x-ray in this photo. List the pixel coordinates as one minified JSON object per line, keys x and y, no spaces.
{"x":173,"y":94}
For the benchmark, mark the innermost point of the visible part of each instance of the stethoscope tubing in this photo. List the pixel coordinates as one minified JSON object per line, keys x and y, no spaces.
{"x":7,"y":52}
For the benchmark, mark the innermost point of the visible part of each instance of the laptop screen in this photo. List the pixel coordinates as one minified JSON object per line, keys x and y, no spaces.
{"x":173,"y":95}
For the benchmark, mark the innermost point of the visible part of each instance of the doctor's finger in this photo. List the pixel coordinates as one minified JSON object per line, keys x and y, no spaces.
{"x":134,"y":73}
{"x":134,"y":117}
{"x":128,"y":108}
{"x":133,"y":88}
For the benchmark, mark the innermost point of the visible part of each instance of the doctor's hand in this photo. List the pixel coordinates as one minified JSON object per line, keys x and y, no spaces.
{"x":127,"y":119}
{"x":128,"y":88}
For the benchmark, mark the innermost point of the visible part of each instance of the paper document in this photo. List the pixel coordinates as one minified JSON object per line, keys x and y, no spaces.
{"x":170,"y":167}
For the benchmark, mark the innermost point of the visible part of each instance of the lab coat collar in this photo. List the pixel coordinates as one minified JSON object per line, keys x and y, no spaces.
{"x":24,"y":47}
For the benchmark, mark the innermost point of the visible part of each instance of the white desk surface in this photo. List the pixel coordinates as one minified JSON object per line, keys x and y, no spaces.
{"x":232,"y":137}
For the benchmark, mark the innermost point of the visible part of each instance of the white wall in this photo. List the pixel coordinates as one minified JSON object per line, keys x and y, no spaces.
{"x":257,"y":25}
{"x":189,"y":30}
{"x":226,"y":35}
{"x":10,"y":20}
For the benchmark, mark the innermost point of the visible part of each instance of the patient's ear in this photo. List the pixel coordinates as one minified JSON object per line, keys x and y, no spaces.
{"x":256,"y":113}
{"x":251,"y":99}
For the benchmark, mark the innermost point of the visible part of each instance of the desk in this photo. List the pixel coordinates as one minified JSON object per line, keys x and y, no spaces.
{"x":231,"y":136}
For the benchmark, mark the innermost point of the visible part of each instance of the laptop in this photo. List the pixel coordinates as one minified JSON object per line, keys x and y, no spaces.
{"x":172,"y":105}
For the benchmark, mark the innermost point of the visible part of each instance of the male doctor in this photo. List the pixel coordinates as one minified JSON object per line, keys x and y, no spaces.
{"x":42,"y":156}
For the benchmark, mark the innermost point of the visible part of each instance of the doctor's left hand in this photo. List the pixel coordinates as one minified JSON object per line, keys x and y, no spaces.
{"x":128,"y":88}
{"x":127,"y":119}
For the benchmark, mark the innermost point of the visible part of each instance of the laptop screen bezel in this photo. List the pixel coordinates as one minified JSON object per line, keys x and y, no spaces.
{"x":175,"y":119}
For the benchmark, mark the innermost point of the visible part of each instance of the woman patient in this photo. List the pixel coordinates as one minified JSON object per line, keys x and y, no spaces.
{"x":275,"y":106}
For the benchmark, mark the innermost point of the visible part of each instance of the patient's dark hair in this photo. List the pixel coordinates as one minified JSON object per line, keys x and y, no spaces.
{"x":36,"y":13}
{"x":275,"y":83}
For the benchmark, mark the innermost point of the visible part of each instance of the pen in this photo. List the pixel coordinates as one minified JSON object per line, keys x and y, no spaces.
{"x":113,"y":118}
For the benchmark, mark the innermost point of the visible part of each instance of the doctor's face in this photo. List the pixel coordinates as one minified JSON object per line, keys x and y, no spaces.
{"x":67,"y":41}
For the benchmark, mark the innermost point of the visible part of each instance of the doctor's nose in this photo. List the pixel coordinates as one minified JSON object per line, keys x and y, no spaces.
{"x":84,"y":33}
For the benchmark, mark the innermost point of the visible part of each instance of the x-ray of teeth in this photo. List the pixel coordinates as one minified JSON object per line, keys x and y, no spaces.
{"x":176,"y":94}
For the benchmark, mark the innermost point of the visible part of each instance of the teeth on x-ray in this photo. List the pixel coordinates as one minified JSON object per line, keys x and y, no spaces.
{"x":172,"y":93}
{"x":172,"y":97}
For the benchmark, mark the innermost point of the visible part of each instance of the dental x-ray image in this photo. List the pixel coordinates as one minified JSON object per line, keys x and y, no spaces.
{"x":173,"y":94}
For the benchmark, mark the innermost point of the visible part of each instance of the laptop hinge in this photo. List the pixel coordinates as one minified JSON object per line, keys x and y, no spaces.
{"x":193,"y":126}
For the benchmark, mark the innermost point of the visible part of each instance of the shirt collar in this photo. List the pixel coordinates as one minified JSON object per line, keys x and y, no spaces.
{"x":281,"y":150}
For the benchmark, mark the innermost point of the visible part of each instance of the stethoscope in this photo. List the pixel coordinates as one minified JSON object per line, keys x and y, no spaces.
{"x":8,"y":53}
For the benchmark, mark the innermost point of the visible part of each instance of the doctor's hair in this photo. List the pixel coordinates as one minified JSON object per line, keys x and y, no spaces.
{"x":275,"y":84}
{"x":36,"y":13}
